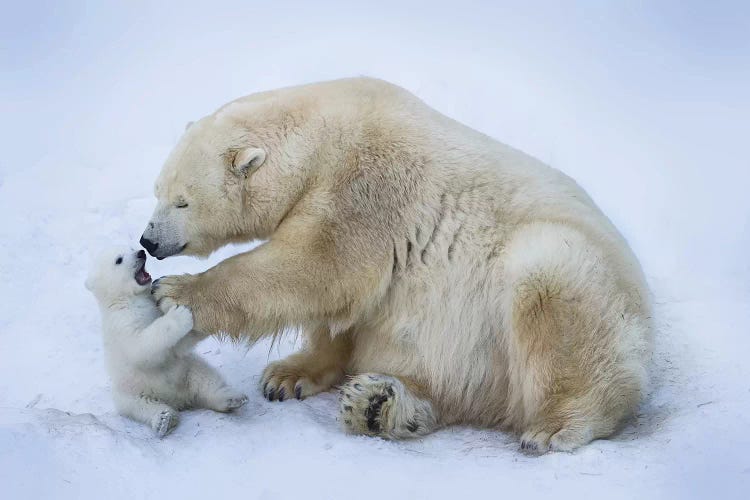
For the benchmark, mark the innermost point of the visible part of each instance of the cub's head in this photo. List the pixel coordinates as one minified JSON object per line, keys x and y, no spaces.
{"x":231,"y":178}
{"x":118,"y":272}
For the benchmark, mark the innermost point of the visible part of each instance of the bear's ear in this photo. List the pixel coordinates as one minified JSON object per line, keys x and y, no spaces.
{"x":247,"y":160}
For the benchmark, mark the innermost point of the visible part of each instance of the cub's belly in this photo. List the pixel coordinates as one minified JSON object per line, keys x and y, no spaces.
{"x":167,"y":382}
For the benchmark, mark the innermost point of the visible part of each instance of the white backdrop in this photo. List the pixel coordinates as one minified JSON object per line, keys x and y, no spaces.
{"x":645,"y":104}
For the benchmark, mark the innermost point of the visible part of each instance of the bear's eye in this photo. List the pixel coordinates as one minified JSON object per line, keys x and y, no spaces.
{"x":181,"y":204}
{"x":118,"y":261}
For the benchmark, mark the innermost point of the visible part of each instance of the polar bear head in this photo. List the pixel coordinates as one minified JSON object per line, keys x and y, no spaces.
{"x":231,"y":178}
{"x":118,"y":272}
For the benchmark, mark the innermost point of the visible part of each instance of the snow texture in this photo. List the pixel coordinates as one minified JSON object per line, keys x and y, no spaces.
{"x":645,"y":104}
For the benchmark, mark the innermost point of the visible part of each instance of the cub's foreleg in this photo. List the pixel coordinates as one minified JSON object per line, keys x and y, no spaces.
{"x":153,"y":343}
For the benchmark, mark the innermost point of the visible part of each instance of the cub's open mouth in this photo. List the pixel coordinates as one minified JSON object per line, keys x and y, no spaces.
{"x":141,"y":276}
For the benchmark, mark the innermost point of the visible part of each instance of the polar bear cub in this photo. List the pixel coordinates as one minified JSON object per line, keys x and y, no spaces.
{"x":149,"y":355}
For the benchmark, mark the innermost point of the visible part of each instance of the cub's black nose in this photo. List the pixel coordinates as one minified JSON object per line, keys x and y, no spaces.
{"x":141,"y":254}
{"x":149,"y":245}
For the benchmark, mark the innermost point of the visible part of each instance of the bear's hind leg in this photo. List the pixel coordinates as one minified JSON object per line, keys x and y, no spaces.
{"x":317,"y":368}
{"x":385,"y":406}
{"x":575,"y":345}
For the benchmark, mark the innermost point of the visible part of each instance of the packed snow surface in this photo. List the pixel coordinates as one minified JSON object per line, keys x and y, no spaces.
{"x":645,"y":105}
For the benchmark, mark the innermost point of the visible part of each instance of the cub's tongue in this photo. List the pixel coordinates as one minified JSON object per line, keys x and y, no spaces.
{"x":142,"y":277}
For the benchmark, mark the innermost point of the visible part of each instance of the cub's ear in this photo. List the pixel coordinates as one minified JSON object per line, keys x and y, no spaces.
{"x":188,"y":125}
{"x":247,"y":160}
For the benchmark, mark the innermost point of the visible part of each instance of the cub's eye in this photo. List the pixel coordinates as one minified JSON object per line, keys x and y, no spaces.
{"x":181,"y":205}
{"x":118,"y":261}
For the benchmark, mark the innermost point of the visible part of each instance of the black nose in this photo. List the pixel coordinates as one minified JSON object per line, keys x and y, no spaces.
{"x":149,"y":245}
{"x":141,"y":254}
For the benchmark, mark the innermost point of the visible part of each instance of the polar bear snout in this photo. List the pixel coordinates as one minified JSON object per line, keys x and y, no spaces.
{"x":149,"y":245}
{"x":160,"y":251}
{"x":165,"y":234}
{"x":159,"y":248}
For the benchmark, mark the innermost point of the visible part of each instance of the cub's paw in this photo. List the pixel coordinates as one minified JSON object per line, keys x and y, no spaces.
{"x":232,"y":403}
{"x":182,"y":317}
{"x":224,"y":400}
{"x":164,"y":422}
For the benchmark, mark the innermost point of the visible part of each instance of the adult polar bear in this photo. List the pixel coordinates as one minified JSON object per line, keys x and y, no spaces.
{"x":457,"y":279}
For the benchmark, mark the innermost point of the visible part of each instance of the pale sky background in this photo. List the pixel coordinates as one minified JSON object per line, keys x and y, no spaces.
{"x":645,"y":103}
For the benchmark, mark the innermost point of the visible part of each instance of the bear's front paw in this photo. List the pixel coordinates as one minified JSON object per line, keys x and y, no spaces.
{"x":168,"y":291}
{"x":182,"y":317}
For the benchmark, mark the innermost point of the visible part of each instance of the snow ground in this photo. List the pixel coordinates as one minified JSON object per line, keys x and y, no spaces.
{"x":645,"y":105}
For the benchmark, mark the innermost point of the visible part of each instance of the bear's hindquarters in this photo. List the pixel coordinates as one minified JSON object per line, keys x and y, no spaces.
{"x":576,"y":339}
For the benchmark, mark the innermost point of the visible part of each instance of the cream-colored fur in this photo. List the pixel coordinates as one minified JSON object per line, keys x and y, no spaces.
{"x":457,"y":279}
{"x":150,"y":356}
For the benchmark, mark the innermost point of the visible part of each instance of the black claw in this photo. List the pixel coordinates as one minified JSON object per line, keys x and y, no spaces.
{"x":372,"y":413}
{"x":265,"y":389}
{"x":282,"y":394}
{"x":271,"y":395}
{"x":347,"y":408}
{"x":412,"y":426}
{"x":298,"y":392}
{"x":358,"y":387}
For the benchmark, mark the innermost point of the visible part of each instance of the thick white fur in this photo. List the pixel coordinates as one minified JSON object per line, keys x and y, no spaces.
{"x":473,"y":282}
{"x":149,"y":356}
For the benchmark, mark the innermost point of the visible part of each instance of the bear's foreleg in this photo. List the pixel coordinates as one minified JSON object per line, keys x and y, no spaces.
{"x":280,"y":284}
{"x":316,"y":368}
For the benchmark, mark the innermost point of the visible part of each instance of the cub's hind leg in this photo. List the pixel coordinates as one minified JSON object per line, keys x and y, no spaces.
{"x":161,"y":417}
{"x":209,"y":390}
{"x":577,"y":345}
